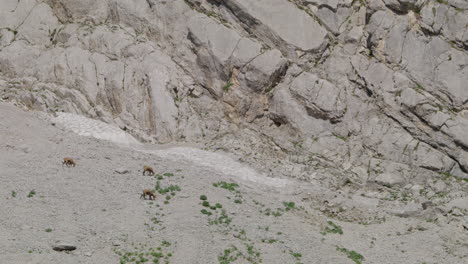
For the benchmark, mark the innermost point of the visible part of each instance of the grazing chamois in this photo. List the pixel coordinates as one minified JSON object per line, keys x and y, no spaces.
{"x":149,"y":193}
{"x":69,"y":162}
{"x":148,"y":170}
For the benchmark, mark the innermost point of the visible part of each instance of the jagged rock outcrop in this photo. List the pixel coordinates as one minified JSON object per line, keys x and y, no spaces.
{"x":375,"y":91}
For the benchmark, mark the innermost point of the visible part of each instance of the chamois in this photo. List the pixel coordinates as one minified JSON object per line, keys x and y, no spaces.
{"x":148,"y":192}
{"x":148,"y":170}
{"x":69,"y":162}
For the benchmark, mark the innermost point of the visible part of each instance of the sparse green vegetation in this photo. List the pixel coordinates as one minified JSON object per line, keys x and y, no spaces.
{"x":333,"y":229}
{"x":223,"y":218}
{"x":13,"y":194}
{"x":227,"y":86}
{"x":230,"y":255}
{"x":296,"y":255}
{"x":31,"y":193}
{"x":171,"y":188}
{"x":139,"y":256}
{"x":203,"y":197}
{"x":447,"y":175}
{"x":206,"y":204}
{"x":269,"y":240}
{"x":341,"y":137}
{"x":204,"y":211}
{"x":228,"y":186}
{"x":353,"y":255}
{"x":289,"y":205}
{"x":48,"y":230}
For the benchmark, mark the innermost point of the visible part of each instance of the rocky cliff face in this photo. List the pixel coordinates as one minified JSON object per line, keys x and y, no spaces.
{"x":372,"y":91}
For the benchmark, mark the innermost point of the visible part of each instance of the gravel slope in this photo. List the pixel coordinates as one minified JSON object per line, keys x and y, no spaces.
{"x":99,"y":211}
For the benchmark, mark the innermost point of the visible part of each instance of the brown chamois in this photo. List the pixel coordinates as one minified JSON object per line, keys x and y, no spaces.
{"x":149,"y":193}
{"x":148,"y":170}
{"x":69,"y":162}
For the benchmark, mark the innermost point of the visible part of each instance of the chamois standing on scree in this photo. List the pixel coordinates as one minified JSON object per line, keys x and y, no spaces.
{"x":149,"y":193}
{"x":148,"y":170}
{"x":69,"y":162}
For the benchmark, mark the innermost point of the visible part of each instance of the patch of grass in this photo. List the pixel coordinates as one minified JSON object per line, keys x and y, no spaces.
{"x":140,"y":256}
{"x":206,"y":204}
{"x":169,"y":189}
{"x":289,"y":205}
{"x":419,"y":87}
{"x":296,"y":255}
{"x":447,"y":175}
{"x":48,"y":230}
{"x":203,"y":197}
{"x":155,"y":220}
{"x":229,"y":255}
{"x":204,"y":211}
{"x":227,"y":86}
{"x":353,"y":255}
{"x":31,"y":193}
{"x":13,"y":194}
{"x":223,"y":218}
{"x":253,"y":254}
{"x":237,"y":201}
{"x":168,"y":174}
{"x":218,"y":205}
{"x":226,"y":185}
{"x":333,"y":228}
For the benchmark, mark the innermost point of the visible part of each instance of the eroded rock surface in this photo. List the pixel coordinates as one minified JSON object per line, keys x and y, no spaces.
{"x":370,"y":91}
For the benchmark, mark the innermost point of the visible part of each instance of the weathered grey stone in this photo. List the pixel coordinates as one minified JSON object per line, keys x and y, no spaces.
{"x":302,"y":31}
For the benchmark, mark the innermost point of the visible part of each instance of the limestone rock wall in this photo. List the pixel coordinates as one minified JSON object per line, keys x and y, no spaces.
{"x":373,"y":91}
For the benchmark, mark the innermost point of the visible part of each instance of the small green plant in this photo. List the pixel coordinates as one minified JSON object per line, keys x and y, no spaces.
{"x":237,"y":201}
{"x":225,"y":185}
{"x":171,"y":188}
{"x":218,"y":205}
{"x":203,"y":197}
{"x":270,"y":240}
{"x":206,"y":204}
{"x":229,"y":255}
{"x":296,"y":255}
{"x":289,"y":205}
{"x":31,"y":193}
{"x":13,"y":194}
{"x":168,"y":174}
{"x":48,"y":230}
{"x":353,"y":255}
{"x":204,"y":211}
{"x":227,"y":86}
{"x":333,"y":228}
